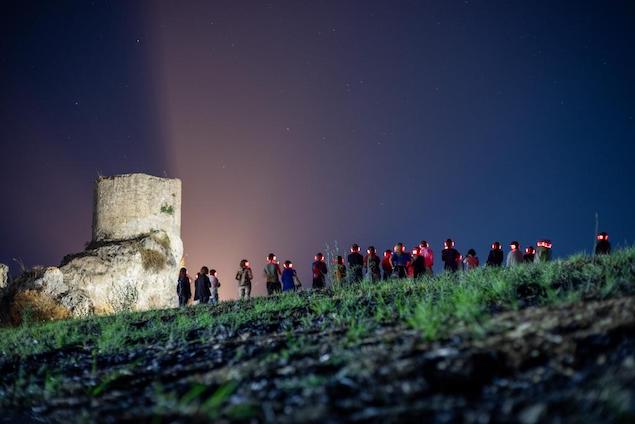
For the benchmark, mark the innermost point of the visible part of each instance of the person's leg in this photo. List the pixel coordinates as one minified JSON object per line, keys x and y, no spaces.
{"x":248,"y":291}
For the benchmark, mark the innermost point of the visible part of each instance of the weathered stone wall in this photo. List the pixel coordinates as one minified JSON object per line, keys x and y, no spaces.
{"x":4,"y":276}
{"x":132,"y":205}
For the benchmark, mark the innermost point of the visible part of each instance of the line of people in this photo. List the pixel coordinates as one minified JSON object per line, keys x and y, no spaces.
{"x":397,"y":263}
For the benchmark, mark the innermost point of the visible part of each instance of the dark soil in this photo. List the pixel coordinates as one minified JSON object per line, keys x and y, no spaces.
{"x":560,"y":364}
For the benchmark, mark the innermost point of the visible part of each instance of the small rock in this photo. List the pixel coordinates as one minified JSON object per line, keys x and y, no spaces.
{"x":532,"y":414}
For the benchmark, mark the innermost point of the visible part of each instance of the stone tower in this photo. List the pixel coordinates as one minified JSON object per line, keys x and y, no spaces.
{"x":131,"y":205}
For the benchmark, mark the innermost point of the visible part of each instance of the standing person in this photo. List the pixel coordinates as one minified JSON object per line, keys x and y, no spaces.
{"x":543,"y":251}
{"x":244,"y":276}
{"x":213,"y":278}
{"x":355,"y":264}
{"x":399,"y":261}
{"x":496,"y":256}
{"x":450,"y":256}
{"x":529,"y":255}
{"x":372,"y":265}
{"x":603,"y":245}
{"x":514,"y":257}
{"x":418,"y":263}
{"x":471,"y":260}
{"x":340,"y":270}
{"x":386,"y":266}
{"x":289,"y":277}
{"x":183,"y":287}
{"x":272,"y":275}
{"x":319,"y":272}
{"x":428,"y":256}
{"x":202,"y":286}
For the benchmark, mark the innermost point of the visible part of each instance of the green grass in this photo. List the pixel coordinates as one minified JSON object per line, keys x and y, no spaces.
{"x":435,"y":306}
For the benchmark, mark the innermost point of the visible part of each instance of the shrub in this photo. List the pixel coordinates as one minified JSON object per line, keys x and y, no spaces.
{"x":33,"y":306}
{"x":152,"y":260}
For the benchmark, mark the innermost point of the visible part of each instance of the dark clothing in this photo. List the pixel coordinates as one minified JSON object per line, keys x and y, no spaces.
{"x":495,"y":257}
{"x":399,"y":271}
{"x":400,"y":259}
{"x":386,"y":268}
{"x":356,"y":265}
{"x":528,"y":257}
{"x":202,"y":287}
{"x":418,"y":266}
{"x":183,"y":290}
{"x":543,"y":254}
{"x":450,"y":258}
{"x":273,"y":287}
{"x":372,"y":264}
{"x":319,"y":274}
{"x":603,"y":247}
{"x":288,"y":279}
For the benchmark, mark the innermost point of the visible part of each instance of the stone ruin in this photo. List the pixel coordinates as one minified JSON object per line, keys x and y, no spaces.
{"x":132,"y":261}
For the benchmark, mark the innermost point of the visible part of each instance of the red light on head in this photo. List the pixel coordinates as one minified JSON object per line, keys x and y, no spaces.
{"x":247,"y":264}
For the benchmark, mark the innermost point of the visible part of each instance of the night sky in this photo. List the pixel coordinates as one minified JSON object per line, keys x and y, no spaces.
{"x":293,"y":124}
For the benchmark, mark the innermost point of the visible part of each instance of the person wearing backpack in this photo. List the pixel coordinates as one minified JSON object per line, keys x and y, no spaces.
{"x":471,"y":260}
{"x":399,"y":261}
{"x":417,"y":263}
{"x":428,"y":256}
{"x":529,"y":255}
{"x":183,"y":287}
{"x":272,"y":275}
{"x":213,"y":278}
{"x":543,"y":251}
{"x":496,"y":256}
{"x":355,"y":264}
{"x":290,"y":280}
{"x":372,"y":265}
{"x":244,"y":276}
{"x":386,"y":266}
{"x":450,"y":256}
{"x":603,"y":245}
{"x":202,"y":286}
{"x":319,"y":272}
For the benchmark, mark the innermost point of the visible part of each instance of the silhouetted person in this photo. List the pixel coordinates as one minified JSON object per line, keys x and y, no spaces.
{"x":183,"y":287}
{"x":399,"y":261}
{"x":272,"y":275}
{"x":213,"y":278}
{"x":386,"y":266}
{"x":602,"y":245}
{"x":529,"y":255}
{"x":340,"y":270}
{"x":543,"y":251}
{"x":319,"y":272}
{"x":355,"y":264}
{"x":471,"y":260}
{"x":289,"y":277}
{"x":417,"y":263}
{"x":496,"y":255}
{"x":372,"y":264}
{"x":450,"y":256}
{"x":428,"y":256}
{"x":244,"y":276}
{"x":514,"y":256}
{"x":202,"y":286}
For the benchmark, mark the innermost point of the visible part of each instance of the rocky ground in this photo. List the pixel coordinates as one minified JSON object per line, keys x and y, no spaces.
{"x":565,"y":363}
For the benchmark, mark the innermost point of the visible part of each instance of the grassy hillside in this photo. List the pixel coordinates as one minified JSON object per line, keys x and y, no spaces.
{"x":387,"y":351}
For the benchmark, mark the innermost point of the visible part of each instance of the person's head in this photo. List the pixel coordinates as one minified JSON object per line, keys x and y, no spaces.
{"x":424,"y":244}
{"x":244,"y":263}
{"x":204,"y":270}
{"x":530,"y":250}
{"x":340,"y":260}
{"x":544,"y":243}
{"x":471,"y":252}
{"x":371,"y":250}
{"x":271,"y":257}
{"x":319,"y":257}
{"x":416,"y":250}
{"x":399,"y":247}
{"x":212,"y":272}
{"x":449,"y":244}
{"x":603,"y":236}
{"x":387,"y":253}
{"x":514,"y":245}
{"x":288,"y":264}
{"x":182,"y":273}
{"x":496,"y":245}
{"x":355,"y":248}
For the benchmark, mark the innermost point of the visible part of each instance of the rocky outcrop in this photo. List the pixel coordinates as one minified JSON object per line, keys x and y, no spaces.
{"x":4,"y":276}
{"x":132,"y":260}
